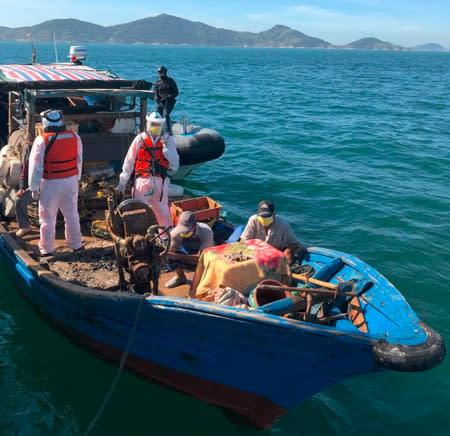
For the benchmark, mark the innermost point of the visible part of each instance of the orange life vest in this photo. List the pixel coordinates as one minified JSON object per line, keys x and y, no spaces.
{"x":61,"y":159}
{"x":150,"y":159}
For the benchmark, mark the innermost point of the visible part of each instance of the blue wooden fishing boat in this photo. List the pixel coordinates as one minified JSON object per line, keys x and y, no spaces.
{"x":258,"y":362}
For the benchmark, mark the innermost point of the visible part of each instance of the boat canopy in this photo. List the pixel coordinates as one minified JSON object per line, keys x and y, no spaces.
{"x":51,"y":72}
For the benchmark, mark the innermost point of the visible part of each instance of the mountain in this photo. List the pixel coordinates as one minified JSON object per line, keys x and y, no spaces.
{"x":168,"y":29}
{"x":373,"y":44}
{"x":64,"y":30}
{"x":282,"y":36}
{"x":431,"y":46}
{"x":162,"y":29}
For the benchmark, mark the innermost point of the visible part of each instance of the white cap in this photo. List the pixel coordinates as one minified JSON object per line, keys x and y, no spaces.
{"x":51,"y":117}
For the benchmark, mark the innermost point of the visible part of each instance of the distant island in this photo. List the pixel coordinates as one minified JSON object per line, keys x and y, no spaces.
{"x":170,"y":30}
{"x":373,"y":44}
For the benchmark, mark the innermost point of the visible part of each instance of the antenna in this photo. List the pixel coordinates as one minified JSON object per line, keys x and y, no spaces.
{"x":33,"y":50}
{"x":54,"y":43}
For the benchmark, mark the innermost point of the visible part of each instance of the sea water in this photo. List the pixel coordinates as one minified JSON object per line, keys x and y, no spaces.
{"x":353,"y":147}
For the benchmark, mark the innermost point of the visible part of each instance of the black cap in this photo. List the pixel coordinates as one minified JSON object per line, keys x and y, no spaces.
{"x":265,"y":209}
{"x":162,"y":69}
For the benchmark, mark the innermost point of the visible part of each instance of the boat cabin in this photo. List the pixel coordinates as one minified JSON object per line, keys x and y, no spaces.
{"x":103,"y":109}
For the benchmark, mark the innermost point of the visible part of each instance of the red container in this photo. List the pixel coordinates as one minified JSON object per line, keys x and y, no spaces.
{"x":204,"y":208}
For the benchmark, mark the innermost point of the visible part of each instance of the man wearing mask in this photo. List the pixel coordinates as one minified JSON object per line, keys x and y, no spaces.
{"x":166,"y":91}
{"x":153,"y":157}
{"x":187,"y":241}
{"x":267,"y":226}
{"x":55,"y":167}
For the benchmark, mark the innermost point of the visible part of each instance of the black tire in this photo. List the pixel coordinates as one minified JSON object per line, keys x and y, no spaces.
{"x":411,"y":358}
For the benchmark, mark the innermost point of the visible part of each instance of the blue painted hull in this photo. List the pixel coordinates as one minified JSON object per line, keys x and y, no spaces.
{"x":256,"y":364}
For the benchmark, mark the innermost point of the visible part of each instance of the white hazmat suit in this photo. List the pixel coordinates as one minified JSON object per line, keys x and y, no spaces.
{"x":152,"y":190}
{"x":54,"y":194}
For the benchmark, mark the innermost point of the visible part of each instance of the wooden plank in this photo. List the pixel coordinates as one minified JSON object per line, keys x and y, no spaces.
{"x":81,"y":92}
{"x":100,"y":115}
{"x":26,"y":258}
{"x":76,"y":84}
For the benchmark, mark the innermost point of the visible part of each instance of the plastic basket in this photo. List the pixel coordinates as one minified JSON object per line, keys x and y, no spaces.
{"x":204,"y":209}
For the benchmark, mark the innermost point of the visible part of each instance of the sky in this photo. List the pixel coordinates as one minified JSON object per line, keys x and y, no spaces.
{"x":403,"y":22}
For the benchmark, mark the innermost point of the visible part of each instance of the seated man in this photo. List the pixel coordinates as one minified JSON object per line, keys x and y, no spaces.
{"x":188,"y":239}
{"x":23,"y":199}
{"x":269,"y":227}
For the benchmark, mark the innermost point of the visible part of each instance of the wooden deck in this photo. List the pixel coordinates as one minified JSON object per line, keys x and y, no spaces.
{"x":95,"y":266}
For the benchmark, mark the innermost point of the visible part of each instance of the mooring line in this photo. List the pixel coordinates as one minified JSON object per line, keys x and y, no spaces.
{"x":119,"y":371}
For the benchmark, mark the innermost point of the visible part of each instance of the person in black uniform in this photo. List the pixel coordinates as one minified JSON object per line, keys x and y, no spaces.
{"x":166,"y":91}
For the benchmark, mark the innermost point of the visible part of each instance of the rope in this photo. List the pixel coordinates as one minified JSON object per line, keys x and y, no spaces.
{"x":119,"y":371}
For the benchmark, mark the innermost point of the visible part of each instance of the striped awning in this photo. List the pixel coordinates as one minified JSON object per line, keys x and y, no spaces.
{"x":36,"y":72}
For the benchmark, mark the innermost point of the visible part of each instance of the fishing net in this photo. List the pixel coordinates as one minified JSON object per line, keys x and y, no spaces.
{"x":92,"y":200}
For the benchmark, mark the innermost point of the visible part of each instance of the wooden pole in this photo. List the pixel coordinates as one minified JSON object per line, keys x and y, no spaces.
{"x":143,"y":114}
{"x":307,"y":290}
{"x":11,"y":110}
{"x":31,"y":119}
{"x":306,"y":279}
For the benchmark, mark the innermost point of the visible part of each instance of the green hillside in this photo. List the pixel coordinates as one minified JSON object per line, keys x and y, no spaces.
{"x":373,"y":44}
{"x":168,"y":29}
{"x":162,"y":29}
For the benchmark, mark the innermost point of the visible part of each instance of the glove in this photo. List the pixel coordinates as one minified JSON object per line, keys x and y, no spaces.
{"x":121,"y":188}
{"x":35,"y":195}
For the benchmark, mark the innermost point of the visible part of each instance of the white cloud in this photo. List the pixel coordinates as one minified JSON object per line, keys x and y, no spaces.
{"x":312,"y":11}
{"x":261,"y":18}
{"x":411,"y":28}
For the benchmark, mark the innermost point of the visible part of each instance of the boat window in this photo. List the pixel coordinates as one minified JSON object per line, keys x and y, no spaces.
{"x":127,"y":103}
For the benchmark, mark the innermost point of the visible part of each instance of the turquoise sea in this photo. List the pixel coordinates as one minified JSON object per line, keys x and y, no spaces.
{"x":353,"y":147}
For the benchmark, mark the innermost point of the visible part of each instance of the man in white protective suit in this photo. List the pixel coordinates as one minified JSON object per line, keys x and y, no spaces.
{"x":55,"y":167}
{"x":153,"y":157}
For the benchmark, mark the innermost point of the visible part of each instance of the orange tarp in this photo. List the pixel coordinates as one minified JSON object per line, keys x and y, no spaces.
{"x":241,"y":266}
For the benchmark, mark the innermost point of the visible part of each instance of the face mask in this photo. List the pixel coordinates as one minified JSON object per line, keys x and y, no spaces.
{"x":155,"y":130}
{"x":266,"y":222}
{"x":187,"y":235}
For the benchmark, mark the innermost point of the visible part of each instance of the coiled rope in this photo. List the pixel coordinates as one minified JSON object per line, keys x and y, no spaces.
{"x":119,"y":371}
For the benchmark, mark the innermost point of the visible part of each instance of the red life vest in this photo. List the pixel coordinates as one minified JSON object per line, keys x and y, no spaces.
{"x":150,"y":159}
{"x":61,"y":160}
